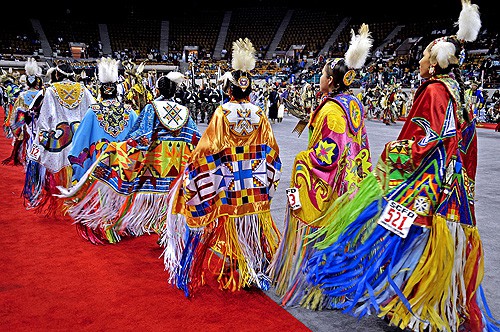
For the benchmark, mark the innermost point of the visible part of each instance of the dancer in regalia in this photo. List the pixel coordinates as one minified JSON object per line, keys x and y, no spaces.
{"x":224,"y":194}
{"x":337,"y":158}
{"x":109,"y":120}
{"x":64,"y":105}
{"x":411,"y":251}
{"x":19,"y":119}
{"x":125,"y":191}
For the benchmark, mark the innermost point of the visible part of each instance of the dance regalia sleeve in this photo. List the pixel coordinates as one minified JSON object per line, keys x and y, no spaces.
{"x":34,"y":177}
{"x":224,"y":198}
{"x":430,"y":276}
{"x":337,"y":158}
{"x":125,"y":190}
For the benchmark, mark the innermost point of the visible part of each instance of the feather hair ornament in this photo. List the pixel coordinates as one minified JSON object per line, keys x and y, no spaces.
{"x":223,"y":80}
{"x":243,"y":55}
{"x":176,"y":77}
{"x":49,"y":71}
{"x":469,"y":22}
{"x":108,"y":70}
{"x":31,"y":67}
{"x":359,"y":48}
{"x":140,"y":68}
{"x":443,"y":53}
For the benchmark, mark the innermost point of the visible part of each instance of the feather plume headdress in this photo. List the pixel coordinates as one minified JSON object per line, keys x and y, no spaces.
{"x":243,"y":60}
{"x":443,"y":50}
{"x":31,"y":67}
{"x":359,"y":48}
{"x":469,"y":22}
{"x":32,"y":70}
{"x":107,"y":70}
{"x":176,"y":77}
{"x":243,"y":55}
{"x":358,"y":51}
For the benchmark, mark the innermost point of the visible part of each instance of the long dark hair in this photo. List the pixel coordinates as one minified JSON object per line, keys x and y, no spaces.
{"x":336,"y":68}
{"x":166,"y":87}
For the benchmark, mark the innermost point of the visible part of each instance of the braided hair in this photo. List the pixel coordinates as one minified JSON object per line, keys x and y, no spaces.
{"x":166,"y":87}
{"x":337,"y":68}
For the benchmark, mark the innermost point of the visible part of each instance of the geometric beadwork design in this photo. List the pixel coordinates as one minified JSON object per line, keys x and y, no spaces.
{"x":112,"y":116}
{"x":233,"y":177}
{"x":242,"y":118}
{"x":69,"y":94}
{"x":172,"y":115}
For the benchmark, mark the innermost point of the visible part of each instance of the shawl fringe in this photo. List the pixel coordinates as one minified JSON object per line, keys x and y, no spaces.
{"x":238,"y":250}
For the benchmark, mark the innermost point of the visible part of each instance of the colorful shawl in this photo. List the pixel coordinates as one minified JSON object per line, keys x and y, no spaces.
{"x":429,"y":276}
{"x":224,"y":197}
{"x":125,"y":190}
{"x":336,"y":160}
{"x":104,"y":122}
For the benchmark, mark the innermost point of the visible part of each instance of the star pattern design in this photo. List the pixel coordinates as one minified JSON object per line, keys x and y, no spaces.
{"x":325,"y":151}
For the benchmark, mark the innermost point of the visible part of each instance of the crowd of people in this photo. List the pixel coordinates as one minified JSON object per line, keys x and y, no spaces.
{"x":123,"y":156}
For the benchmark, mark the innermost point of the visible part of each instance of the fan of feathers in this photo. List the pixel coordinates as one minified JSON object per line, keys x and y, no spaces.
{"x":297,"y":111}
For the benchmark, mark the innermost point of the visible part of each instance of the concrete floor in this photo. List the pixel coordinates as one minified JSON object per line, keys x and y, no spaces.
{"x":487,"y":211}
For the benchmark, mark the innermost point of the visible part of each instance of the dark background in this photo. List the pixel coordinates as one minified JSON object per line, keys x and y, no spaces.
{"x":106,"y":11}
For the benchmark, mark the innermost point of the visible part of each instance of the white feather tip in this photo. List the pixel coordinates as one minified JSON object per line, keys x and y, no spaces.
{"x":469,"y":22}
{"x":108,"y":70}
{"x":176,"y":77}
{"x":243,"y":55}
{"x":359,"y":48}
{"x":140,"y":68}
{"x":224,"y":78}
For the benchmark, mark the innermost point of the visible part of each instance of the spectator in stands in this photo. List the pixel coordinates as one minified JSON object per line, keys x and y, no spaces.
{"x":495,"y":96}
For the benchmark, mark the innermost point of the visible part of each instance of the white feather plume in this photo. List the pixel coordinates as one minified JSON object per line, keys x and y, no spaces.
{"x":469,"y":22}
{"x":224,"y":78}
{"x":243,"y":55}
{"x":176,"y":77}
{"x":359,"y":48}
{"x":108,"y":70}
{"x":49,"y":71}
{"x":140,"y":68}
{"x":443,"y":52}
{"x":31,"y":67}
